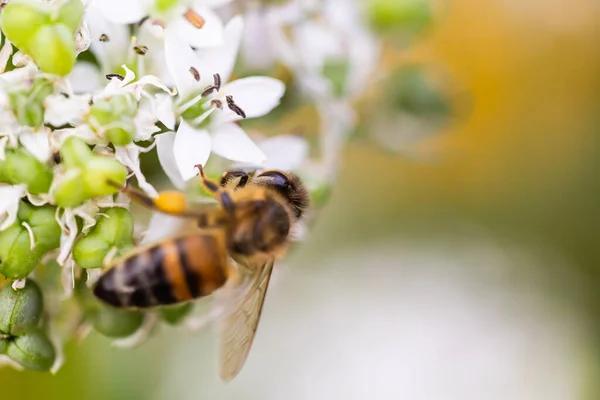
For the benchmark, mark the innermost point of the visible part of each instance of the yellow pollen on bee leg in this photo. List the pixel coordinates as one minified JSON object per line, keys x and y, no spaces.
{"x":194,"y":18}
{"x":170,"y":202}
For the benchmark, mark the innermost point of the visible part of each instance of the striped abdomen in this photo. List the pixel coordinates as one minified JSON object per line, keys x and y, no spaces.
{"x":172,"y":271}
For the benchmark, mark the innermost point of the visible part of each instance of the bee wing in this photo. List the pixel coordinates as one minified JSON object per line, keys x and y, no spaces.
{"x":238,"y":326}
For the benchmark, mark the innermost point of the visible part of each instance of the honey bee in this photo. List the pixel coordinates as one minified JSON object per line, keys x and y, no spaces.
{"x":234,"y":250}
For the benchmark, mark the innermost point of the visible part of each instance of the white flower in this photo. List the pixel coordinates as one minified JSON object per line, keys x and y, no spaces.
{"x":113,"y":45}
{"x":9,"y":204}
{"x":193,"y":22}
{"x":151,"y":107}
{"x":223,"y":105}
{"x":339,"y":35}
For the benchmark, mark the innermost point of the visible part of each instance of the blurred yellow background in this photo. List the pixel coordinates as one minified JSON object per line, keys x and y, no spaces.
{"x":492,"y":224}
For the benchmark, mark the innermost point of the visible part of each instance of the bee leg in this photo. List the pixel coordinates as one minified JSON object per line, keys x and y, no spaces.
{"x":217,"y":191}
{"x":233,"y":174}
{"x":167,"y":202}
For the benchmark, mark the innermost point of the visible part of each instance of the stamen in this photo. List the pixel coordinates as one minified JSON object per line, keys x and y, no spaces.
{"x":104,"y":38}
{"x":141,"y":50}
{"x":217,"y":81}
{"x":143,"y":20}
{"x":195,"y":73}
{"x":31,"y":236}
{"x":118,"y":76}
{"x":217,"y":103}
{"x":234,"y":107}
{"x":194,"y":19}
{"x":208,"y":90}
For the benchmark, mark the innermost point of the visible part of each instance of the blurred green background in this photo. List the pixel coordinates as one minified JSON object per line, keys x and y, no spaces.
{"x":469,"y":268}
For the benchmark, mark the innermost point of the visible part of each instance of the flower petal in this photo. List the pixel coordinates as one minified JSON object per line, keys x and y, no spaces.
{"x":256,"y":95}
{"x":231,"y":142}
{"x":113,"y":52}
{"x":37,"y":143}
{"x":61,"y":110}
{"x":210,"y":35}
{"x":221,"y":59}
{"x":85,"y":78}
{"x":166,"y":157}
{"x":284,"y":152}
{"x":129,"y":156}
{"x":9,"y":204}
{"x":123,"y":12}
{"x":180,"y":59}
{"x":164,"y":110}
{"x":191,"y":147}
{"x":211,"y":3}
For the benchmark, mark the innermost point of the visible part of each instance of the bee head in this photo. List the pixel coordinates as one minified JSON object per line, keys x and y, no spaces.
{"x":287,"y":185}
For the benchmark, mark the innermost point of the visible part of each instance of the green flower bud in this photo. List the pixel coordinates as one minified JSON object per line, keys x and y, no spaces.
{"x":117,"y":227}
{"x":32,"y":351}
{"x":52,"y":48}
{"x":101,"y":170}
{"x":119,"y":110}
{"x":42,"y":221}
{"x":20,"y":20}
{"x":70,"y":192}
{"x":175,"y":314}
{"x":90,"y":251}
{"x":21,"y":167}
{"x":74,"y":152}
{"x":115,"y":230}
{"x":116,"y":323}
{"x":70,"y":14}
{"x":17,"y":259}
{"x":20,"y":310}
{"x":123,"y":134}
{"x":89,"y":176}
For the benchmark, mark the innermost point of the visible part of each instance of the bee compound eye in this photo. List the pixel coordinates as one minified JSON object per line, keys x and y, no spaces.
{"x":276,"y":178}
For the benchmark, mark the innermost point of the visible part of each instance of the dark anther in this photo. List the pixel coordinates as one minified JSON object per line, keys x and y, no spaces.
{"x":217,"y":103}
{"x":234,"y":107}
{"x":141,"y":50}
{"x":118,"y":76}
{"x":143,"y":20}
{"x":195,"y":73}
{"x":208,"y":90}
{"x":104,"y":37}
{"x":217,"y":80}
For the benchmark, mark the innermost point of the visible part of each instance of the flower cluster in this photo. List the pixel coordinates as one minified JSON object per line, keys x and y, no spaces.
{"x":89,"y":90}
